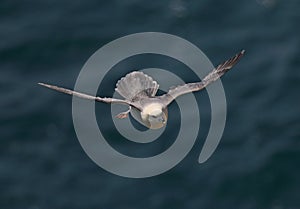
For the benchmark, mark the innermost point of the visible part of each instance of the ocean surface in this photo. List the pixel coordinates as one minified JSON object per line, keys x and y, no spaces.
{"x":257,"y":163}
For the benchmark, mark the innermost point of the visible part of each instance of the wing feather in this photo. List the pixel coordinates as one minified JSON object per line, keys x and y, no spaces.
{"x":89,"y":97}
{"x":220,"y":70}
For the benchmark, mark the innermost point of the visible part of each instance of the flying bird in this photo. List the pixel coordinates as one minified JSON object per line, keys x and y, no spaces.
{"x":139,"y":93}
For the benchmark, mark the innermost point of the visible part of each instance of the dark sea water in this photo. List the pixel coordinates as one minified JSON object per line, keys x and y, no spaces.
{"x":257,"y":163}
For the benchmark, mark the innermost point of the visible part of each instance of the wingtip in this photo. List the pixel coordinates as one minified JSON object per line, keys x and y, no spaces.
{"x":47,"y":85}
{"x":243,"y":51}
{"x":43,"y":84}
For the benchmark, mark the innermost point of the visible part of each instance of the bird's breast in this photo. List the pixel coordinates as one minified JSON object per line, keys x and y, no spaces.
{"x":150,"y":108}
{"x":143,"y":116}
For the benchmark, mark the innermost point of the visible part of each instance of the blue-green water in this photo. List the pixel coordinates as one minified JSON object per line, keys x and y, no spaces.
{"x":256,"y":165}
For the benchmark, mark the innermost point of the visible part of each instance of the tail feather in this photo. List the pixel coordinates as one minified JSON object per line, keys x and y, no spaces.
{"x":136,"y":84}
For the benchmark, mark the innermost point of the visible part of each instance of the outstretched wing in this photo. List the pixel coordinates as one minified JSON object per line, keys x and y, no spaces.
{"x":89,"y":97}
{"x":220,"y":70}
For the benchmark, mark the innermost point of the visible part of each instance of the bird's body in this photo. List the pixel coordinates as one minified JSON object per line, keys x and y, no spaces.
{"x":139,"y":93}
{"x":153,"y":115}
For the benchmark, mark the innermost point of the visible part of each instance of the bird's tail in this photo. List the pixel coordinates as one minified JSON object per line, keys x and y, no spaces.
{"x":136,"y":84}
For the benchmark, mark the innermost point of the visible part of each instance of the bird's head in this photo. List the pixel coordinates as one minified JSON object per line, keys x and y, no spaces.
{"x":155,"y":116}
{"x":157,"y":119}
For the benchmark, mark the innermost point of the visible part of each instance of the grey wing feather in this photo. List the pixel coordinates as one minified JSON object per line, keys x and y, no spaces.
{"x":86,"y":96}
{"x":135,"y":85}
{"x":220,"y":70}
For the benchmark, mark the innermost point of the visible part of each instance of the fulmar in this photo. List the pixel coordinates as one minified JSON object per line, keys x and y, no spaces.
{"x":139,"y":93}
